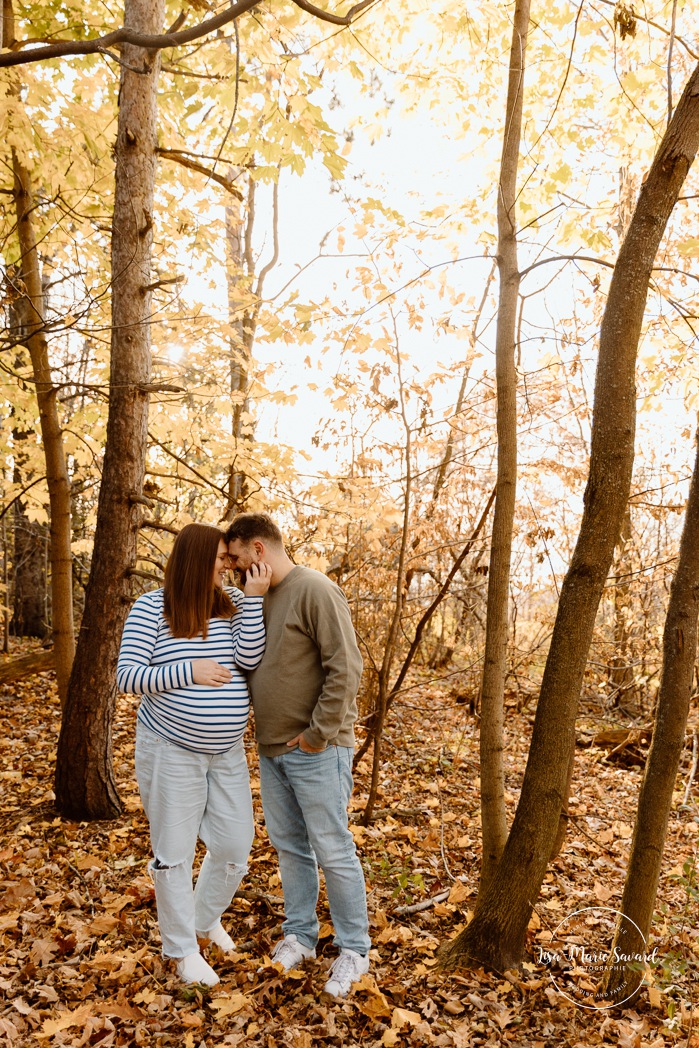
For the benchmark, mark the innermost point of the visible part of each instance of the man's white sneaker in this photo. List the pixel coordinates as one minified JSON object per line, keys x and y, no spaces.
{"x":220,"y":937}
{"x":345,"y":970}
{"x":194,"y":969}
{"x":290,"y":952}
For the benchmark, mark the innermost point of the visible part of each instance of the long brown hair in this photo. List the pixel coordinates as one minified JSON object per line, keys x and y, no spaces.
{"x":191,"y":598}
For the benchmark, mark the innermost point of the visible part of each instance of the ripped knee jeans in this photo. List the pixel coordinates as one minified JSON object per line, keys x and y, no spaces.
{"x":188,"y":795}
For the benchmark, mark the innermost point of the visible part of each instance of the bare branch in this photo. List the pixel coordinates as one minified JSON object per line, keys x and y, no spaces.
{"x":649,"y":21}
{"x":193,"y":165}
{"x":601,"y":262}
{"x":673,"y":26}
{"x":275,"y":235}
{"x":566,"y":258}
{"x":137,"y":573}
{"x":209,"y":483}
{"x":326,"y":16}
{"x":160,"y":41}
{"x":149,"y":41}
{"x":163,"y":282}
{"x":11,"y":503}
{"x":157,"y":525}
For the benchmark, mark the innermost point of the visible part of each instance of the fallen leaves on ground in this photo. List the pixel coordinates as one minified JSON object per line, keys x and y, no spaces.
{"x":81,"y":963}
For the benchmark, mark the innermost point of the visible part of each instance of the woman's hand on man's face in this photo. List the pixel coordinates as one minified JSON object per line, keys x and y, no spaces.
{"x":257,"y":580}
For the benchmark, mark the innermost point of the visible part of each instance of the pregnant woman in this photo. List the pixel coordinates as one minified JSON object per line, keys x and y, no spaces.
{"x":185,"y":650}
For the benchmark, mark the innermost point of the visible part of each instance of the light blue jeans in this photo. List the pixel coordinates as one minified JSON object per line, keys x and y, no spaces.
{"x":305,"y":797}
{"x":188,"y":795}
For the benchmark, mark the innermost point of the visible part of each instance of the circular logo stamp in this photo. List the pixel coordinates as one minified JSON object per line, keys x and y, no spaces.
{"x":582,"y":962}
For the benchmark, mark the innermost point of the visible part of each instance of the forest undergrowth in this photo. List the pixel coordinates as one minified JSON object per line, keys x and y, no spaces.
{"x":81,"y":965}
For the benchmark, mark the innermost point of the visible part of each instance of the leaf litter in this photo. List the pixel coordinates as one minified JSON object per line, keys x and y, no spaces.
{"x":81,"y":966}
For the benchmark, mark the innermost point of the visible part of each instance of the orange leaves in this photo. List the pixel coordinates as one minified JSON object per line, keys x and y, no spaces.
{"x":81,"y":963}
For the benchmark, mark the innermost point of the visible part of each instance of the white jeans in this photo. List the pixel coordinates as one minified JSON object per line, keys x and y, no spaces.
{"x":188,"y":795}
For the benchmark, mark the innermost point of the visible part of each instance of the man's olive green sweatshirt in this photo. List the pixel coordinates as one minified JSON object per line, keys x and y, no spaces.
{"x":309,"y":675}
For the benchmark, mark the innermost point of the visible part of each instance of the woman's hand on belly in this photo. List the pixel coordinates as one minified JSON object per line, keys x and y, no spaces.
{"x":210,"y":673}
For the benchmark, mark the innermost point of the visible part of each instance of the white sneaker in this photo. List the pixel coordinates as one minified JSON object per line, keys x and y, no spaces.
{"x":194,"y":969}
{"x":220,"y":937}
{"x":290,"y":952}
{"x":345,"y":970}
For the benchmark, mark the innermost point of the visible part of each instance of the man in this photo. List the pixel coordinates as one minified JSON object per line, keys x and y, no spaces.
{"x":304,"y":698}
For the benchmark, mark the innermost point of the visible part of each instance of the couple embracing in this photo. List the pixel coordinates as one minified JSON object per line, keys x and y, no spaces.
{"x":194,"y":651}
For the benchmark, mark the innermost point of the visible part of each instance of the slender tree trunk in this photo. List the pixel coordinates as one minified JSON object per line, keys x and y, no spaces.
{"x":85,"y":786}
{"x":441,"y":475}
{"x":424,"y":621}
{"x":6,"y":587}
{"x":29,"y":610}
{"x":240,"y":345}
{"x":384,"y":675}
{"x":496,"y":935}
{"x":244,"y":312}
{"x":493,"y":816}
{"x":31,"y":310}
{"x":655,"y":798}
{"x":29,"y":595}
{"x":621,"y":674}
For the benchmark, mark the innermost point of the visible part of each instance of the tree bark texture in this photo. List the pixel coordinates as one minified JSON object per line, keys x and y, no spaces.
{"x":85,"y":785}
{"x":655,"y":798}
{"x":30,"y":308}
{"x":494,"y":821}
{"x":29,"y":604}
{"x":496,"y":935}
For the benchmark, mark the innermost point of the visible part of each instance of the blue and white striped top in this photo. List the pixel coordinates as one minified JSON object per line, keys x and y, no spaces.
{"x":158,"y":666}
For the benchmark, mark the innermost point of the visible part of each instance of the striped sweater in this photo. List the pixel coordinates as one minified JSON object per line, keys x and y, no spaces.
{"x":157,"y":666}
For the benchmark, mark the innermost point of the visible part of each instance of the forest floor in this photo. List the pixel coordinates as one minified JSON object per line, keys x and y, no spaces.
{"x":80,"y":962}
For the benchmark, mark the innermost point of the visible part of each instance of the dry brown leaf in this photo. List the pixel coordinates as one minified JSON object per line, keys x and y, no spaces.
{"x":301,"y":1039}
{"x":192,"y":1019}
{"x":602,"y":893}
{"x":401,"y":1017}
{"x":224,"y":1006}
{"x":655,"y":997}
{"x":103,"y":925}
{"x":395,"y":933}
{"x":459,"y":892}
{"x":50,"y":1027}
{"x":20,"y":892}
{"x":8,"y":1028}
{"x":89,"y":862}
{"x":375,"y":1005}
{"x":43,"y":951}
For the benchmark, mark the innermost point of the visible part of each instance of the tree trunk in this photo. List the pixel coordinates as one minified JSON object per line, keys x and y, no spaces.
{"x":240,"y":345}
{"x":244,"y":312}
{"x":31,"y":312}
{"x":655,"y":799}
{"x":29,"y":594}
{"x":384,"y":674}
{"x":496,"y":935}
{"x":496,"y":628}
{"x":621,"y":674}
{"x":85,"y":786}
{"x":29,"y":611}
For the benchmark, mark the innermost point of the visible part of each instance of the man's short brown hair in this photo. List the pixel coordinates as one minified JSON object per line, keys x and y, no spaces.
{"x":250,"y":526}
